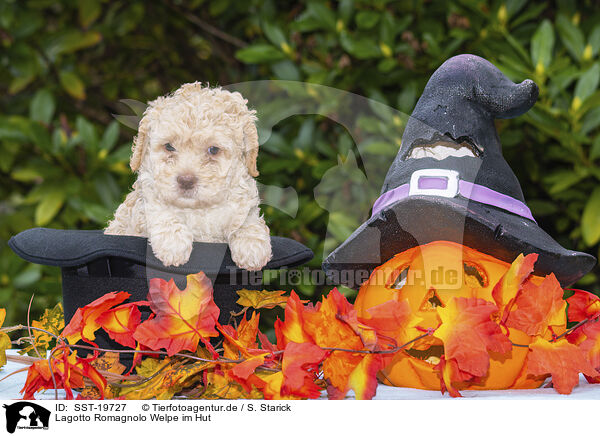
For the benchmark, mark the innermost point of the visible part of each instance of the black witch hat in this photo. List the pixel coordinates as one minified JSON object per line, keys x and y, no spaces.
{"x":450,"y":182}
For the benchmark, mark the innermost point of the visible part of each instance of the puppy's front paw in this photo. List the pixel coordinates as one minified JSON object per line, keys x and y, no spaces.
{"x":250,"y":253}
{"x":173,"y":249}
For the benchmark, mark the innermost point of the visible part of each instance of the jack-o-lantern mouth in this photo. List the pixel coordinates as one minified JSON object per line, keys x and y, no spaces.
{"x":431,"y":355}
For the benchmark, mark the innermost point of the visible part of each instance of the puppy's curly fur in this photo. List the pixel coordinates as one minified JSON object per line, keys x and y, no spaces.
{"x":195,"y":156}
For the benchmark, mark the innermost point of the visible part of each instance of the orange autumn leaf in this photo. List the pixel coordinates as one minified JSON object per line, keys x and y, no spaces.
{"x":291,"y":329}
{"x":261,"y":299}
{"x":591,"y":348}
{"x":583,"y":305}
{"x":333,"y":323}
{"x":562,"y":360}
{"x":86,"y":317}
{"x":84,"y":323}
{"x":538,"y":307}
{"x":68,"y":371}
{"x":241,"y":342}
{"x":183,"y":318}
{"x":468,"y":333}
{"x":271,"y":388}
{"x":509,"y":285}
{"x":243,"y":372}
{"x":121,"y":322}
{"x":363,"y":379}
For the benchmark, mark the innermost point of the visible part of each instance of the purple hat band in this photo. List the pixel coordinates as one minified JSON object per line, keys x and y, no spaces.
{"x":447,"y":183}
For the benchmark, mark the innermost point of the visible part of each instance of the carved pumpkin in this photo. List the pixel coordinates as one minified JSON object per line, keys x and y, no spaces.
{"x":428,"y":276}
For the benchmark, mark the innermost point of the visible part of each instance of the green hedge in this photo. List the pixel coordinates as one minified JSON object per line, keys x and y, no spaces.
{"x":65,"y":65}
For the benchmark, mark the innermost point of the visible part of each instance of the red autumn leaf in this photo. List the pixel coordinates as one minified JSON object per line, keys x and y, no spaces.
{"x":299,"y":365}
{"x":393,"y":319}
{"x":84,"y":323}
{"x":183,"y":318}
{"x":68,"y":371}
{"x":449,"y":372}
{"x":468,"y":333}
{"x":583,"y":305}
{"x":121,"y":322}
{"x":265,"y":343}
{"x":538,"y":307}
{"x":562,"y":360}
{"x":591,"y":347}
{"x":509,"y":285}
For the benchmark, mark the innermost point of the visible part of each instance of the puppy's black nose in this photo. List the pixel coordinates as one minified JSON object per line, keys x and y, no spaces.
{"x":187,"y":181}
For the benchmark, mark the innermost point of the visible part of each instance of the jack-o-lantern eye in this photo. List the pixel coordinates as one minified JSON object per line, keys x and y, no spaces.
{"x":398,"y":279}
{"x":474,"y":275}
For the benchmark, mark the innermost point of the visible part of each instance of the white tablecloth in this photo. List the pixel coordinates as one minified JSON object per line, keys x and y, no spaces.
{"x":9,"y":390}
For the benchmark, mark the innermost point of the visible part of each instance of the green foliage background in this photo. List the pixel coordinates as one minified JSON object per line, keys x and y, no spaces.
{"x":65,"y":65}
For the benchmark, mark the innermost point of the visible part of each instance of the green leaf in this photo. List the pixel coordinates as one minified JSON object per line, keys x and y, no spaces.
{"x":72,"y":84}
{"x":20,"y":83}
{"x":27,"y":277}
{"x":590,"y":221}
{"x":110,"y":136}
{"x":42,"y":106}
{"x":47,"y":209}
{"x":70,"y":42}
{"x":26,"y":175}
{"x":367,"y":19}
{"x":588,"y":82}
{"x":571,"y":36}
{"x":590,"y":121}
{"x":258,"y":53}
{"x":274,"y":33}
{"x":87,"y":132}
{"x":542,"y":45}
{"x":362,"y":48}
{"x":40,"y":137}
{"x":563,"y":180}
{"x":594,"y":40}
{"x":595,"y":151}
{"x":321,"y":12}
{"x":285,"y":70}
{"x":89,"y":11}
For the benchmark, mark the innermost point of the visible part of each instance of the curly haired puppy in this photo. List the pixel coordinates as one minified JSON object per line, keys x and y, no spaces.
{"x":195,"y":156}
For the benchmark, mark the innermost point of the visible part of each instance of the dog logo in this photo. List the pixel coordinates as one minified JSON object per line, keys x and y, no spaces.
{"x":26,"y":415}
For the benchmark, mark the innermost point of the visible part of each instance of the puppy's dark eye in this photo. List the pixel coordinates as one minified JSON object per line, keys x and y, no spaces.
{"x":213,"y":150}
{"x":169,"y":147}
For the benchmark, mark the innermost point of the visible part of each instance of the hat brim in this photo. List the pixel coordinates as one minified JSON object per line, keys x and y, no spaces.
{"x":71,"y":248}
{"x":418,"y":220}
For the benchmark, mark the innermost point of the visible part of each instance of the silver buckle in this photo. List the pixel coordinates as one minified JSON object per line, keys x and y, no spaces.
{"x":451,"y":177}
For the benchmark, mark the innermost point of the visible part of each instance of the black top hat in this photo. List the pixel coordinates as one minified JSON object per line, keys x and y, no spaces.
{"x":94,"y":264}
{"x":449,"y":181}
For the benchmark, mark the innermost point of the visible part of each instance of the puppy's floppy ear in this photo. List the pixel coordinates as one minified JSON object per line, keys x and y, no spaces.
{"x":251,"y":146}
{"x":140,"y":143}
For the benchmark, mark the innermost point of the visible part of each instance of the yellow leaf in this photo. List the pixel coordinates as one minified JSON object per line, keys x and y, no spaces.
{"x":167,"y":377}
{"x":222,"y":387}
{"x":4,"y":340}
{"x":53,"y":321}
{"x":261,"y":299}
{"x":109,"y":361}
